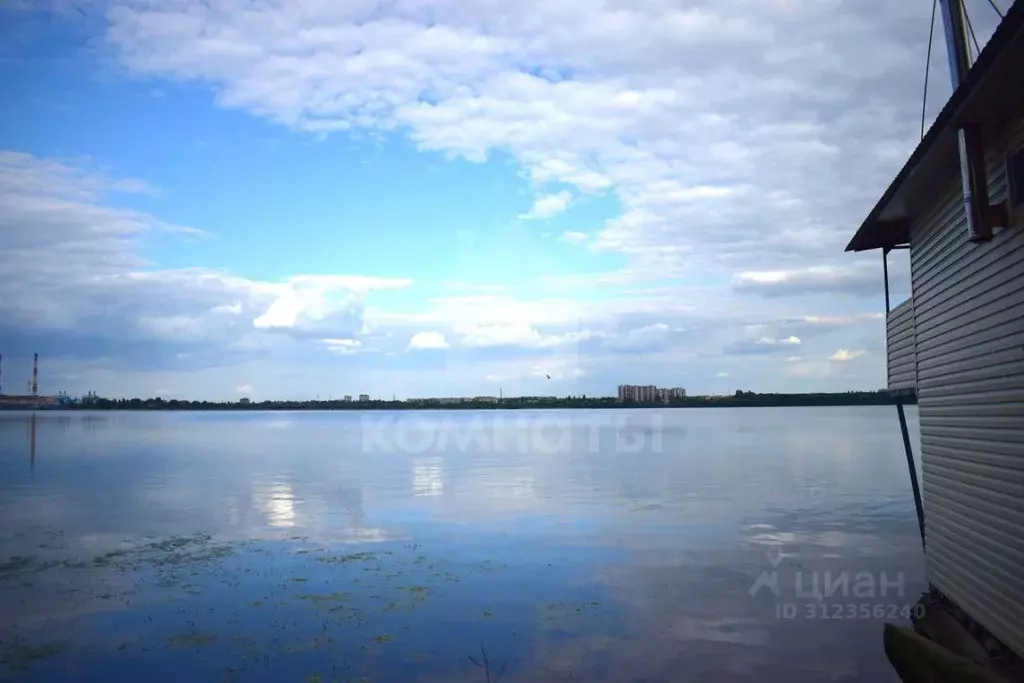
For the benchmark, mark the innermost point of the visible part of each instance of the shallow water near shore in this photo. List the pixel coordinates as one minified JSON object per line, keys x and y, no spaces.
{"x":727,"y":544}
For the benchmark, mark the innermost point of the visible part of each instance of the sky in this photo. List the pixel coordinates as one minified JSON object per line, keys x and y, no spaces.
{"x":302,"y":198}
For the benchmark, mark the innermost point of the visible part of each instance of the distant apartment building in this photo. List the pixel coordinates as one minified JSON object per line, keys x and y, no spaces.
{"x":636,"y":393}
{"x":347,"y":398}
{"x":244,"y":401}
{"x":364,"y":397}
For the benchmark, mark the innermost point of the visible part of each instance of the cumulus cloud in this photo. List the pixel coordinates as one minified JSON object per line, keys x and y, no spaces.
{"x":858,"y":280}
{"x":342,"y":347}
{"x":572,"y":237}
{"x":243,"y":389}
{"x":785,"y":145}
{"x":733,"y":157}
{"x":845,"y":355}
{"x":548,"y":206}
{"x":72,"y":282}
{"x":428,"y":340}
{"x":763,"y":345}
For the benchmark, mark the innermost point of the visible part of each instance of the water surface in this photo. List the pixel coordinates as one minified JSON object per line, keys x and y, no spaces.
{"x":635,"y":545}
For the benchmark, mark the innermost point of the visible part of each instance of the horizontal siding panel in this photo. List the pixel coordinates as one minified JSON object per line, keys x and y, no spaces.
{"x":903,"y":372}
{"x":960,"y":421}
{"x":958,"y":482}
{"x":992,"y":299}
{"x":967,"y":288}
{"x":969,"y":411}
{"x":992,"y":384}
{"x":984,"y":477}
{"x":1001,"y":446}
{"x":975,"y":322}
{"x":993,"y":397}
{"x":932,"y":235}
{"x":991,"y":615}
{"x":957,"y":575}
{"x":900,"y":325}
{"x":900,"y":383}
{"x":991,"y":259}
{"x":974,"y":350}
{"x":968,"y":311}
{"x":1000,"y":567}
{"x":901,"y":341}
{"x":990,"y":366}
{"x":900,"y":347}
{"x":902,"y":363}
{"x":994,"y":530}
{"x":954,"y":503}
{"x":907,"y":379}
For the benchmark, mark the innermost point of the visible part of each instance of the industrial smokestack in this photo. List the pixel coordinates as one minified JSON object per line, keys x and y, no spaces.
{"x":35,"y":374}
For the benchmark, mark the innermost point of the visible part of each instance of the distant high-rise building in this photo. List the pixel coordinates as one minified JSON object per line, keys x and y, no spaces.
{"x":649,"y":393}
{"x":348,"y":398}
{"x":364,"y":397}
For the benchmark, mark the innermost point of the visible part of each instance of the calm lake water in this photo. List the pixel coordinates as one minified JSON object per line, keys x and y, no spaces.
{"x":451,"y":546}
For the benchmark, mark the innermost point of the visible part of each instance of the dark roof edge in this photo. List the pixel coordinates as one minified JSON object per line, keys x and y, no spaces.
{"x":1004,"y":33}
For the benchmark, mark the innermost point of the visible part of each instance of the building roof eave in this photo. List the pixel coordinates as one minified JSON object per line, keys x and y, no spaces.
{"x":992,"y":87}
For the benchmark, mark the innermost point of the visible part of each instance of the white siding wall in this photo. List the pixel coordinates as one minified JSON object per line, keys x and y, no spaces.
{"x":901,"y":347}
{"x":969,"y":321}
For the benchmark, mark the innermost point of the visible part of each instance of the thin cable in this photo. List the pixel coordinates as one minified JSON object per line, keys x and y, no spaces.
{"x":996,"y":8}
{"x":927,"y":67}
{"x":970,"y":28}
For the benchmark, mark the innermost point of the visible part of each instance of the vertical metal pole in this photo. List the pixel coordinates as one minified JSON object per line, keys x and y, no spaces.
{"x":971,"y":150}
{"x":956,"y":41}
{"x":885,"y":276}
{"x":911,"y":467}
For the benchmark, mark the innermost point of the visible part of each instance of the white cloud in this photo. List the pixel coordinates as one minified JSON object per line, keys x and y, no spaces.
{"x":784,"y":147}
{"x":572,"y":237}
{"x":556,"y":370}
{"x":863,"y":280}
{"x":548,"y":206}
{"x":428,"y":340}
{"x":243,"y":389}
{"x":845,"y":355}
{"x":762,"y":345}
{"x":342,"y":347}
{"x":733,"y":157}
{"x":318,"y":301}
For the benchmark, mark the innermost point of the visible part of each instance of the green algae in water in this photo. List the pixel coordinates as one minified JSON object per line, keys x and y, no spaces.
{"x":20,"y":656}
{"x":191,"y":639}
{"x":324,"y":599}
{"x":17,"y":563}
{"x":347,"y":558}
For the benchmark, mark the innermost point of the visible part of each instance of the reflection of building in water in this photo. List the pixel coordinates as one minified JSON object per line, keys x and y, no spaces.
{"x":278,"y":503}
{"x":32,"y":443}
{"x":427,"y":477}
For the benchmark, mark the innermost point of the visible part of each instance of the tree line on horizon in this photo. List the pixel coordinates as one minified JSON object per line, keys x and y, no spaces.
{"x":739,"y":399}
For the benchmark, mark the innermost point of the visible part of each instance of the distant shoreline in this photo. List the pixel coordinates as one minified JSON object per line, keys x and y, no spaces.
{"x":740,"y":400}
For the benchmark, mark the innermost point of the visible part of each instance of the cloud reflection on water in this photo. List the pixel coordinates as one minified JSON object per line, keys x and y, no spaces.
{"x":692,"y":521}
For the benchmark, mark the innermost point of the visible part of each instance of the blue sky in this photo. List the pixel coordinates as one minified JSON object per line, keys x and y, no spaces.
{"x":299,"y":198}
